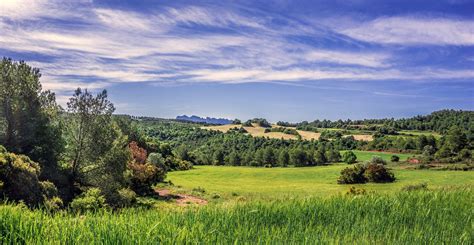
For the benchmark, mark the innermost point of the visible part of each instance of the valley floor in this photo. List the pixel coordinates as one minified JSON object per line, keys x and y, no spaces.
{"x":283,"y":183}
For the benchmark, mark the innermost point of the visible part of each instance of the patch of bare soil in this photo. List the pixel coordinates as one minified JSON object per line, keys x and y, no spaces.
{"x":181,"y":199}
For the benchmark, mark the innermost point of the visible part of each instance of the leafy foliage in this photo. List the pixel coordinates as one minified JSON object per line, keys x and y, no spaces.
{"x":90,"y":200}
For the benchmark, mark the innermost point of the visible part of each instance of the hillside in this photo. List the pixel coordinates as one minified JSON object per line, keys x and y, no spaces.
{"x":258,"y":131}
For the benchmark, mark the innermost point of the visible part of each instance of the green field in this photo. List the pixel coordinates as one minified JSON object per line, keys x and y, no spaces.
{"x":407,"y":218}
{"x":367,"y":155}
{"x":282,"y":183}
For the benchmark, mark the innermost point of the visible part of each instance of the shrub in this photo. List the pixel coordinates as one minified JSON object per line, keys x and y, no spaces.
{"x":53,"y":204}
{"x":90,"y":200}
{"x":395,"y":158}
{"x":19,"y":178}
{"x":48,"y":189}
{"x":378,"y":173}
{"x":354,"y":175}
{"x":2,"y":149}
{"x":377,"y":160}
{"x":349,"y":157}
{"x":415,"y":187}
{"x":143,"y":176}
{"x":127,"y":197}
{"x":157,"y":159}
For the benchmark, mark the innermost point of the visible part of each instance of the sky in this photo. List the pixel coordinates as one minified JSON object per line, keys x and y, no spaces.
{"x":281,"y":60}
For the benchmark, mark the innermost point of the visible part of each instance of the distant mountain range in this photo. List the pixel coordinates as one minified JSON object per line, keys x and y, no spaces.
{"x":208,"y":120}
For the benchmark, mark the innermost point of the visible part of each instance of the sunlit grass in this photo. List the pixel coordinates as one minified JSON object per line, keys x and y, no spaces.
{"x":406,"y":218}
{"x":283,"y":183}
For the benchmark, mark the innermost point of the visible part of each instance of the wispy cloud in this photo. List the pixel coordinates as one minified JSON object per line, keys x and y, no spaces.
{"x":413,"y":30}
{"x":166,"y":46}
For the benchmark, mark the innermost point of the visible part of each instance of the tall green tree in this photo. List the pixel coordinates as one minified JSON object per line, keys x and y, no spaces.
{"x":96,"y":151}
{"x":28,"y":116}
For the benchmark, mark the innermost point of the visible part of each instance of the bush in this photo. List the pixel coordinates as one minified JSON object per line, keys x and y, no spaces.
{"x":360,"y":174}
{"x":377,"y":160}
{"x":19,"y":178}
{"x":127,"y":197}
{"x":395,"y":158}
{"x":349,"y":157}
{"x":53,"y":204}
{"x":143,"y":176}
{"x":48,"y":189}
{"x":353,"y":175}
{"x":377,"y":173}
{"x":90,"y":200}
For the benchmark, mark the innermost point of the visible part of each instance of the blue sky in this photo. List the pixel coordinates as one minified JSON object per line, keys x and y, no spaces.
{"x":282,"y":60}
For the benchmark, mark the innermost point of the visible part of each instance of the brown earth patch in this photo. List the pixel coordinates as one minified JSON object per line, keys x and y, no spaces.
{"x":181,"y":199}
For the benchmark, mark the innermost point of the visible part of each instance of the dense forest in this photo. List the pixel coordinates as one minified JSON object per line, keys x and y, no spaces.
{"x":84,"y":156}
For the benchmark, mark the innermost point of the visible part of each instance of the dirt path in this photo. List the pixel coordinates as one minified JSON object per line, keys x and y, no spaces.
{"x":181,"y":199}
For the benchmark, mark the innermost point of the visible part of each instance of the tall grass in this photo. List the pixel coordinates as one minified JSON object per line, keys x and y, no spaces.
{"x":407,"y":218}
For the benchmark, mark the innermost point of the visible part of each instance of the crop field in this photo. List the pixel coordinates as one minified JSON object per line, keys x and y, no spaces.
{"x":257,"y":131}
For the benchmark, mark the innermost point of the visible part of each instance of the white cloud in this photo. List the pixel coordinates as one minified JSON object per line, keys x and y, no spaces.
{"x":411,"y":30}
{"x":124,"y":20}
{"x":363,"y":59}
{"x":268,"y":75}
{"x":115,"y":46}
{"x":35,"y":9}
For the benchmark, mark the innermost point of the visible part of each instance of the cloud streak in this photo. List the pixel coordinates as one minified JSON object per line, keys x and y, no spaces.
{"x":191,"y":44}
{"x":414,"y":31}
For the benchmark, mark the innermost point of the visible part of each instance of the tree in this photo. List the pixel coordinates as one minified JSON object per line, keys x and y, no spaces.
{"x":349,"y":157}
{"x":269,"y":157}
{"x":166,"y":150}
{"x":394,"y":158}
{"x":333,"y":155}
{"x":456,"y":139}
{"x":319,"y":157}
{"x":234,"y":159}
{"x":298,"y":157}
{"x":96,"y":148}
{"x":283,"y":158}
{"x":218,"y":157}
{"x":143,"y":173}
{"x":29,"y":115}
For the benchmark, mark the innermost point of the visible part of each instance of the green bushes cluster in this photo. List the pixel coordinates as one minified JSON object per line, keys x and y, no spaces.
{"x":19,"y":181}
{"x":372,"y":171}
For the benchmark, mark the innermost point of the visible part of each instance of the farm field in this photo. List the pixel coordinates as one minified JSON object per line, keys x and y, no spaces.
{"x":257,"y":131}
{"x":283,"y":183}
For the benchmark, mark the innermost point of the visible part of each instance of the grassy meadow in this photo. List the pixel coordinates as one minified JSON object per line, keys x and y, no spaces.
{"x":281,"y":183}
{"x":269,"y":205}
{"x":367,"y":155}
{"x":418,"y":217}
